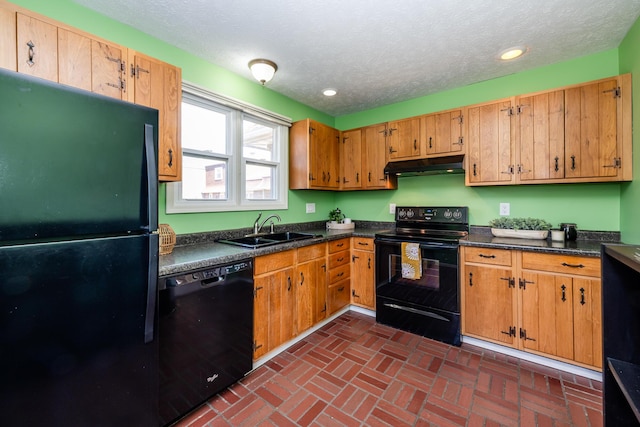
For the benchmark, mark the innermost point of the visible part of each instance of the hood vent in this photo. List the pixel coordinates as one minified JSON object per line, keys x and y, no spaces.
{"x":432,"y":166}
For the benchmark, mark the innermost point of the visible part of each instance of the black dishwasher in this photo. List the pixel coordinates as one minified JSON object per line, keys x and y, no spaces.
{"x":205,"y":335}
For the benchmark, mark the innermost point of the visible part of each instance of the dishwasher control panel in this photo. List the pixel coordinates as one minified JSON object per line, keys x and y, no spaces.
{"x":210,"y":273}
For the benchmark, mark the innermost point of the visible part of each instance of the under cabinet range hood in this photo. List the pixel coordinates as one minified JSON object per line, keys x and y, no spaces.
{"x":431,"y":166}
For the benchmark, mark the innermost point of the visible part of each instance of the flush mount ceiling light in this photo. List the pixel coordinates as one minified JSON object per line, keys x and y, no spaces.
{"x":329,"y":92}
{"x":263,"y":70}
{"x":512,"y":53}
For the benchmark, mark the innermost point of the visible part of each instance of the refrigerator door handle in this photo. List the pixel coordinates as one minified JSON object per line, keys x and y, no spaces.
{"x":152,"y":288}
{"x":152,"y":177}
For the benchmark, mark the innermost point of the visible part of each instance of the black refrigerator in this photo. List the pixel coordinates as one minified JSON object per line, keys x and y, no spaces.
{"x":78,"y":257}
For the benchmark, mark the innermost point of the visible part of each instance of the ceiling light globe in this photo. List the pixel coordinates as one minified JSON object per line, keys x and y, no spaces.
{"x":329,"y":92}
{"x":263,"y":70}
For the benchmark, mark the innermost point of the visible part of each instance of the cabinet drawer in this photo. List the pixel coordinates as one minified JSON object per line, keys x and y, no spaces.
{"x":307,"y":253}
{"x":339,"y":273}
{"x":363,"y":243}
{"x":267,"y":263}
{"x":338,"y":245}
{"x":566,"y":264}
{"x":339,"y":296}
{"x":488,"y":256}
{"x":337,"y":259}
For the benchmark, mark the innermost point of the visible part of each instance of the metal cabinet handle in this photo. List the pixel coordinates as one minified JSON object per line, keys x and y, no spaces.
{"x":573,"y":265}
{"x":582,"y":301}
{"x":170,"y":157}
{"x":557,"y":164}
{"x":32,"y":53}
{"x":573,"y":163}
{"x":564,"y":296}
{"x":288,"y":283}
{"x":486,"y":256}
{"x":301,"y":278}
{"x":353,"y":293}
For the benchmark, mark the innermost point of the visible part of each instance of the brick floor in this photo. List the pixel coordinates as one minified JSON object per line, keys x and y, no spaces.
{"x":354,"y":372}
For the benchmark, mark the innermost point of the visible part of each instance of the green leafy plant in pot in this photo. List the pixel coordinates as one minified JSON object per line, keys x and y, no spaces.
{"x":336,"y":215}
{"x":524,"y":228}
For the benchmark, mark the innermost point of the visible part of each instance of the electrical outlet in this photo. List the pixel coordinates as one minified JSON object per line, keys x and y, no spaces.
{"x":392,"y":208}
{"x":311,"y":208}
{"x":505,"y":209}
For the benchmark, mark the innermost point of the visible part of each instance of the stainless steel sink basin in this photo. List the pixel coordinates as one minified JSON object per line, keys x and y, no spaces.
{"x":267,"y":239}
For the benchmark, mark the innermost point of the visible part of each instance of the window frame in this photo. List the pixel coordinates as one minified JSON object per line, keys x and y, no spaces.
{"x":236,"y":163}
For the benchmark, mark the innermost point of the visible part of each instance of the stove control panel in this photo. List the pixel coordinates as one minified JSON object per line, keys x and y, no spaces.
{"x":447,"y":214}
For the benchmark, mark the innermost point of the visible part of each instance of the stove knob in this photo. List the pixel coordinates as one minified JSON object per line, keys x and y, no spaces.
{"x":457,"y":214}
{"x":410,"y":213}
{"x":401,"y":213}
{"x":447,"y":214}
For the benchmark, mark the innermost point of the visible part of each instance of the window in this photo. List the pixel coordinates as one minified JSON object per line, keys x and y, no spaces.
{"x":233,"y":156}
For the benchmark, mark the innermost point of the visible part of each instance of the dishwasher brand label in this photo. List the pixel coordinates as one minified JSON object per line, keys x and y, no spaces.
{"x":212,"y":378}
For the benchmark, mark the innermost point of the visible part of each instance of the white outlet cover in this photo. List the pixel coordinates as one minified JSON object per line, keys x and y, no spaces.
{"x":311,"y":207}
{"x":392,"y":208}
{"x":505,"y":208}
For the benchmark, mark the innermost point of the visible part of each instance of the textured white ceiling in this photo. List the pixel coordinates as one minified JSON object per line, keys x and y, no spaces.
{"x":377,"y":52}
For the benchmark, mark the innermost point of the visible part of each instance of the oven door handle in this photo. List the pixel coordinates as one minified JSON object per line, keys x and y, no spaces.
{"x":423,"y":245}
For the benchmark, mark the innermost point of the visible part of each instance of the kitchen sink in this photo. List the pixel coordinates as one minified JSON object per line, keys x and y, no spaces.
{"x":270,"y":239}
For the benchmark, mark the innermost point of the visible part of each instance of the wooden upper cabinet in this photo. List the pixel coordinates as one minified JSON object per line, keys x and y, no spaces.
{"x":376,"y":158}
{"x":8,"y":39}
{"x":592,"y":148}
{"x":108,"y":69}
{"x":313,"y":156}
{"x":540,"y":121}
{"x":443,"y":132}
{"x":74,"y":62}
{"x":403,"y":139}
{"x":156,"y":84}
{"x":351,"y":159}
{"x":37,"y":47}
{"x":489,"y":139}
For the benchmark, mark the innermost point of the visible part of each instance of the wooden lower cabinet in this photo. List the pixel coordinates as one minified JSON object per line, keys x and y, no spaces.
{"x":339,"y":274}
{"x":363,"y":287}
{"x":546,"y":304}
{"x":290,"y":293}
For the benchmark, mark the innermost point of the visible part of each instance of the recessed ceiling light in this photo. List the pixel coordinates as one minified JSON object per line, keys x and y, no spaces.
{"x":329,"y":92}
{"x":512,"y":53}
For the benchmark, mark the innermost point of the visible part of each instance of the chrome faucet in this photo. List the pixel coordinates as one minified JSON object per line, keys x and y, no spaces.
{"x":257,"y":226}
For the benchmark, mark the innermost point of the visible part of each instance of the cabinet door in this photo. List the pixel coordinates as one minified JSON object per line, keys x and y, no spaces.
{"x":375,"y":159}
{"x":323,"y":156}
{"x":443,"y":132}
{"x":8,"y":52}
{"x":157,"y":84}
{"x":547,"y":314}
{"x":74,"y":61}
{"x":489,"y":303}
{"x":587,"y":321}
{"x":338,"y":296}
{"x":541,"y":136}
{"x":37,"y":44}
{"x":362,"y":282}
{"x":261,"y":316}
{"x":591,"y":118}
{"x":489,"y":139}
{"x":351,"y":159}
{"x":107,"y":69}
{"x":403,"y":139}
{"x":306,"y":276}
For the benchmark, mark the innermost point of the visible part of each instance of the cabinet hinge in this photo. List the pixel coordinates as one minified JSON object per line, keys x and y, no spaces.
{"x":616,"y":92}
{"x":311,"y":130}
{"x":511,"y":332}
{"x":523,"y":335}
{"x":509,"y":111}
{"x":459,"y":118}
{"x":522,"y":283}
{"x":256,"y":346}
{"x":617,"y":163}
{"x":460,"y":141}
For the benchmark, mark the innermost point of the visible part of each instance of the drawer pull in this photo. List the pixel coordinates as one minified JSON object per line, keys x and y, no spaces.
{"x":363,"y":243}
{"x":573,"y":265}
{"x":340,"y":259}
{"x":486,"y":256}
{"x":340,"y":245}
{"x":341,"y":288}
{"x":340,"y":274}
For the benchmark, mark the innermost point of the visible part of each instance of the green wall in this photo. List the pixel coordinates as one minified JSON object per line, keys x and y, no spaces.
{"x":591,"y":206}
{"x":630,"y":192}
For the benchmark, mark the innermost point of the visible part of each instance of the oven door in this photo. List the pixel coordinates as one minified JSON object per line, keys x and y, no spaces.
{"x":438,"y":286}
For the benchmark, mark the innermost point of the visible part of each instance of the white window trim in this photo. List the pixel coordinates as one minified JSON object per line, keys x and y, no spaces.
{"x":236,"y":200}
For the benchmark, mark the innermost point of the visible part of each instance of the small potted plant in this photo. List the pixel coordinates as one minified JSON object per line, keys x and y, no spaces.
{"x":337,"y":221}
{"x":336,"y":216}
{"x":522,"y":228}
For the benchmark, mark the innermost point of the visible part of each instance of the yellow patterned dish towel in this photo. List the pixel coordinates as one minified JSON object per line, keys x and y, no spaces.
{"x":411,"y":262}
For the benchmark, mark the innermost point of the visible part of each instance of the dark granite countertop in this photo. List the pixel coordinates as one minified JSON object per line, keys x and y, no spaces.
{"x":201,"y":250}
{"x":588,"y":242}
